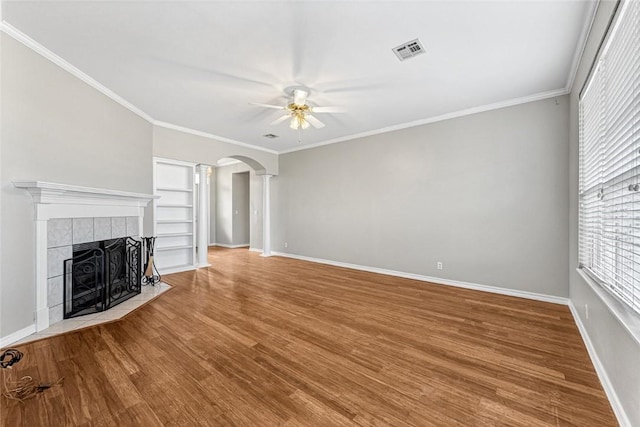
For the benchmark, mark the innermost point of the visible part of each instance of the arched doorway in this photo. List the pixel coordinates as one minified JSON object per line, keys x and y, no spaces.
{"x":240,"y":204}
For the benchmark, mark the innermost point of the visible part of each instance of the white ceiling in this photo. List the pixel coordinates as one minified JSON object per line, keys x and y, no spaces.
{"x":199,"y":64}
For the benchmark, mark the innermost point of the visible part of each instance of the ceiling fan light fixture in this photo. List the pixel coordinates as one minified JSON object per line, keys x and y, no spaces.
{"x":300,"y":96}
{"x":298,"y":112}
{"x":298,"y":122}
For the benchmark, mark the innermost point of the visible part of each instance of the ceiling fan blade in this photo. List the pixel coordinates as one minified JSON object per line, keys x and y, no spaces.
{"x":329,"y":109}
{"x":314,"y":122}
{"x":277,"y":107}
{"x":281,"y":119}
{"x":300,"y":96}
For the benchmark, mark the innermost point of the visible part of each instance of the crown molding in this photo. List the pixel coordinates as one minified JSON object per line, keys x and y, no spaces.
{"x":60,"y":62}
{"x":453,"y":115}
{"x":211,"y":136}
{"x":46,"y":53}
{"x":582,"y":44}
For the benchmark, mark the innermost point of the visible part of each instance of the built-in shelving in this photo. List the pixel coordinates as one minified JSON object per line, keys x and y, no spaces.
{"x":174,"y":214}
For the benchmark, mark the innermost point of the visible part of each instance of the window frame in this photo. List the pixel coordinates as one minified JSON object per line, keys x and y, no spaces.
{"x":590,"y":276}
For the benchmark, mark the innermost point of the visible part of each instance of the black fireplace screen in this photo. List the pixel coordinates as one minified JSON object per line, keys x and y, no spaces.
{"x":101,"y":275}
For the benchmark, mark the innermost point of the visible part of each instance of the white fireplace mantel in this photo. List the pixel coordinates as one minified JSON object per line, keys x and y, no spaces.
{"x":53,"y":200}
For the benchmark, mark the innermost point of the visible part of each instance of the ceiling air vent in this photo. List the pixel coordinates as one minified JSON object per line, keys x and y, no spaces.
{"x":270,"y":136}
{"x":409,"y":49}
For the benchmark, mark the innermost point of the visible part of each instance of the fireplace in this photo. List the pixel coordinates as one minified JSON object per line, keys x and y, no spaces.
{"x":66,"y":215}
{"x":101,"y":275}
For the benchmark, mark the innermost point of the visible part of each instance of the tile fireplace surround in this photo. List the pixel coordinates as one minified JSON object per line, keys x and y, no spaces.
{"x":69,"y":214}
{"x":62,"y":234}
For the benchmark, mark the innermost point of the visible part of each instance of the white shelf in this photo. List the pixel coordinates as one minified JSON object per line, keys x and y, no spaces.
{"x":184,"y":190}
{"x":173,"y":248}
{"x":173,"y":234}
{"x":174,"y":221}
{"x":173,"y":206}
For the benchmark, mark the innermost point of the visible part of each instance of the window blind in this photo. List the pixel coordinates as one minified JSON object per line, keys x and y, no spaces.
{"x":609,"y":185}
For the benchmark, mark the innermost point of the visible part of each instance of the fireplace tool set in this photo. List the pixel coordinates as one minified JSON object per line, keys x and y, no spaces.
{"x":149,"y":277}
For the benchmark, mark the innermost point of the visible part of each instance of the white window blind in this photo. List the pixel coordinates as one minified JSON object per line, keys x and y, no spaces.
{"x":609,"y":232}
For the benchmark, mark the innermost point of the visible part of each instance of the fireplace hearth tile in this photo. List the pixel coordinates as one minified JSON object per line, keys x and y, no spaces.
{"x":118,"y":227}
{"x":129,"y":304}
{"x":81,"y":322}
{"x":66,"y":326}
{"x":113,"y":314}
{"x":59,"y":232}
{"x":55,"y":290}
{"x":102,"y":228}
{"x":55,"y":259}
{"x":93,"y":322}
{"x":82,"y":230}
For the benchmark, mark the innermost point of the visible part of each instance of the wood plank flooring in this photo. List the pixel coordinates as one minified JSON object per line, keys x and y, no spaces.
{"x":258,"y":341}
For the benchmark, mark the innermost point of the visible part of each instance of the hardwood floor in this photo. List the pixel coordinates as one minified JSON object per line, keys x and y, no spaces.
{"x":279,"y":342}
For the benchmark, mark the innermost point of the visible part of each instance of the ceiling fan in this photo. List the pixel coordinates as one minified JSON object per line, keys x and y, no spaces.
{"x":299,"y":111}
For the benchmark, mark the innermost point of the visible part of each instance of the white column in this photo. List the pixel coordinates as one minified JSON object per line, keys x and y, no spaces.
{"x":42,"y":303}
{"x":203,"y":241}
{"x":266,"y":216}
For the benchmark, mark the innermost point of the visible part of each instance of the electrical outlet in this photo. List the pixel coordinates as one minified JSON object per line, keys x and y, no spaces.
{"x":439,"y":265}
{"x":286,"y":245}
{"x":586,"y":311}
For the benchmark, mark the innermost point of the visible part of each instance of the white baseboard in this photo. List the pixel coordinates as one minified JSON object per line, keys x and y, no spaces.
{"x":17,"y":336}
{"x":618,"y":409}
{"x":224,"y":245}
{"x":172,"y":270}
{"x":255,"y":249}
{"x":437,"y":280}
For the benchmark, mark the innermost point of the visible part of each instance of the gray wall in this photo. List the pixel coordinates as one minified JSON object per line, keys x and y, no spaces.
{"x":56,"y":128}
{"x":224,"y":203}
{"x":618,"y":352}
{"x":485,"y":194}
{"x":224,"y":207}
{"x":240,"y":208}
{"x":172,"y":144}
